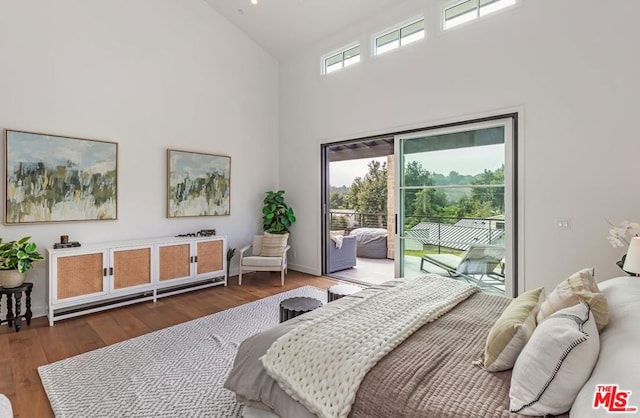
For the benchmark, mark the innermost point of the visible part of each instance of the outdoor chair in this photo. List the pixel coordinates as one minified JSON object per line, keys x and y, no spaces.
{"x":478,"y":260}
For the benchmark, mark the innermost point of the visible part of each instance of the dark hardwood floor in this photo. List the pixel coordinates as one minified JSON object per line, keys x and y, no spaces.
{"x":22,"y":352}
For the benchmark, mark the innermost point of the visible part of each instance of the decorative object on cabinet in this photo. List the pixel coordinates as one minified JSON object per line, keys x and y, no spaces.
{"x":277,"y":216}
{"x":51,"y":178}
{"x":198,"y":184}
{"x":16,"y":258}
{"x":111,"y":274}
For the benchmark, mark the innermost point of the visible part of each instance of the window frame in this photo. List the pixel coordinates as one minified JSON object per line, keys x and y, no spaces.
{"x":340,"y":51}
{"x":398,"y":28}
{"x":478,"y":9}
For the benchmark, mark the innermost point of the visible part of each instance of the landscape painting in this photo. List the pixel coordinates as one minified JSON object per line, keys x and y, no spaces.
{"x":198,"y":184}
{"x":50,"y":178}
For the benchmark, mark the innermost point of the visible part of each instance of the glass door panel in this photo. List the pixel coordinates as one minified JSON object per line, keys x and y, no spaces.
{"x":453,"y":211}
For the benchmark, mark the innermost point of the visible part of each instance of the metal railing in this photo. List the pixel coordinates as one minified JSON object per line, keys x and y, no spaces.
{"x":440,"y":231}
{"x":350,"y":220}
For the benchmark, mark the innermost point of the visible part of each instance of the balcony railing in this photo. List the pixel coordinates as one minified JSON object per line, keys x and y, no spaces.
{"x":350,"y":220}
{"x":443,"y":232}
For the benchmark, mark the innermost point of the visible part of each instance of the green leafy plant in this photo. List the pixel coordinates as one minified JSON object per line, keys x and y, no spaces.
{"x":230,"y":253}
{"x":18,"y":255}
{"x":277,"y":216}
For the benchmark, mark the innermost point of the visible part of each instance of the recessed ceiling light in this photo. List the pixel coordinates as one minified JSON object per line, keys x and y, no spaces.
{"x":254,"y":1}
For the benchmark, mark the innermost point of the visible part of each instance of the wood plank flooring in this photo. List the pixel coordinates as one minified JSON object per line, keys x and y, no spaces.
{"x":39,"y":344}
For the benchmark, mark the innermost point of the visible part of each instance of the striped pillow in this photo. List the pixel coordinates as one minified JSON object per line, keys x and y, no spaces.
{"x":273,"y":244}
{"x":579,"y":286}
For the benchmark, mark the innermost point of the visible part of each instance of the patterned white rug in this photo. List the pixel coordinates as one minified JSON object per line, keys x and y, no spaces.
{"x":174,"y":372}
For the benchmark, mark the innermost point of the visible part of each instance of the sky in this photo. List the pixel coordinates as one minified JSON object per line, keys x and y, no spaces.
{"x":463,"y":160}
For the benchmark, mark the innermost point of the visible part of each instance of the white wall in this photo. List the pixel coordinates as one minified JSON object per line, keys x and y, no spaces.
{"x":149,"y":75}
{"x":569,"y":66}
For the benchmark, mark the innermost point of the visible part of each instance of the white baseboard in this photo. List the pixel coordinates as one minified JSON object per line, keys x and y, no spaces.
{"x":304,"y":269}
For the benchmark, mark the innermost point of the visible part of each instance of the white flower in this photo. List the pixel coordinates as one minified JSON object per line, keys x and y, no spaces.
{"x":615,"y":242}
{"x":618,"y":234}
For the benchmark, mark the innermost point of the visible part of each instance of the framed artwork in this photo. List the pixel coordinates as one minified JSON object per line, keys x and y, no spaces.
{"x":52,"y":178}
{"x":198,"y":184}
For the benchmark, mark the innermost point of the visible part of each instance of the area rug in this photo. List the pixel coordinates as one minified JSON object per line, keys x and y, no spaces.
{"x":173,"y":372}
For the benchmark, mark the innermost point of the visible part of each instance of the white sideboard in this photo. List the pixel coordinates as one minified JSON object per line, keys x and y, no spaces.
{"x":106,"y":275}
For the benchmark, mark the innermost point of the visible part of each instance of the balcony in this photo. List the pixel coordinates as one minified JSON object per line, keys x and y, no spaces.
{"x":445,"y":238}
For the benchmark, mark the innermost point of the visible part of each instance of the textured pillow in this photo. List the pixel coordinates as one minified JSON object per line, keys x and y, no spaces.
{"x":273,"y":244}
{"x":511,"y":331}
{"x":555,"y":363}
{"x":579,"y":286}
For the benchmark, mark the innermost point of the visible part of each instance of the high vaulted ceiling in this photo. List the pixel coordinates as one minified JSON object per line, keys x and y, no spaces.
{"x":285,"y":26}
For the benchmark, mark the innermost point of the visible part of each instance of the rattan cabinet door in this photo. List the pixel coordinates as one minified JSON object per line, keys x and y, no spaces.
{"x":174,"y":261}
{"x":131,"y":268}
{"x":77,"y":276}
{"x":209,"y":257}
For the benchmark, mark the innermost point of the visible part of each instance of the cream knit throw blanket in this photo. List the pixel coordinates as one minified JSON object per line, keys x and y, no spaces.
{"x":321,"y":362}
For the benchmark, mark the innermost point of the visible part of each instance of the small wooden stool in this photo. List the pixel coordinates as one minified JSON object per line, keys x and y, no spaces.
{"x":292,"y":307}
{"x":338,"y":291}
{"x":16,"y":319}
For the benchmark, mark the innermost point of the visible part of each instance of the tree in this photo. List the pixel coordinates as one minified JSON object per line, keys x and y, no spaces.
{"x":337,"y":200}
{"x":368,"y":195}
{"x":491,"y":197}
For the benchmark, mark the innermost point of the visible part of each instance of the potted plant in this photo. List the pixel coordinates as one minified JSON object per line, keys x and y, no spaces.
{"x":16,"y":259}
{"x":230,"y":253}
{"x":277,"y":216}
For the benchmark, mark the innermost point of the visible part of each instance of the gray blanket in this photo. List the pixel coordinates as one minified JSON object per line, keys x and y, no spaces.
{"x":429,"y":375}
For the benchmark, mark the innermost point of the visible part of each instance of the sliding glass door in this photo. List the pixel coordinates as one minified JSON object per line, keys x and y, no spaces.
{"x":455,"y":204}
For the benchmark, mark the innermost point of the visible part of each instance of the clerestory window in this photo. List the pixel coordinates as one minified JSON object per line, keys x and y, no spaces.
{"x":341,"y":59}
{"x":399,"y":36}
{"x":468,"y":10}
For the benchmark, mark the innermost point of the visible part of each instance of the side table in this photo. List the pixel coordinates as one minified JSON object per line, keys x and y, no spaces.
{"x":16,"y":292}
{"x":292,"y":307}
{"x":338,"y":291}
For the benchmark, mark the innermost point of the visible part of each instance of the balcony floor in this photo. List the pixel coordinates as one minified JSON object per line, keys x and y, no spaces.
{"x":372,"y":271}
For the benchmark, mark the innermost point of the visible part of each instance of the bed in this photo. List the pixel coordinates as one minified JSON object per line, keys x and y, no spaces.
{"x":431,"y":373}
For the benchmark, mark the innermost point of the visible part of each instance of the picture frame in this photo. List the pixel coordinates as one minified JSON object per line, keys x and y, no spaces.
{"x":198,"y":184}
{"x":55,"y":178}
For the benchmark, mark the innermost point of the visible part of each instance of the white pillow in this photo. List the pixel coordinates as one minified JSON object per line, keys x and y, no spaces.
{"x":619,"y":362}
{"x":555,"y":363}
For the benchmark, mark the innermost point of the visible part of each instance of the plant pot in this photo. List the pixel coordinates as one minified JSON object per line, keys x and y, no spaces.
{"x":11,"y":278}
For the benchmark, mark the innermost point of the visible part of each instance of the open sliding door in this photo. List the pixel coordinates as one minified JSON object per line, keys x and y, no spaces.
{"x":455,"y":203}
